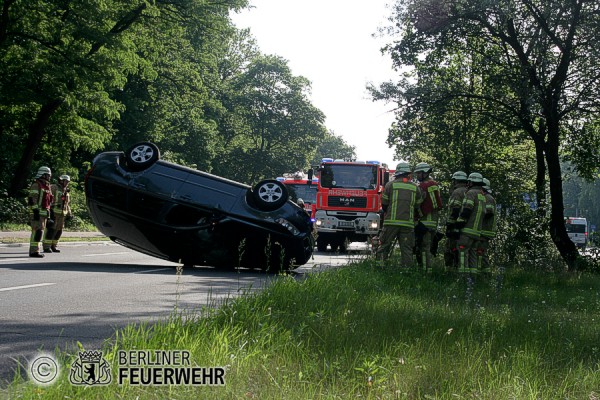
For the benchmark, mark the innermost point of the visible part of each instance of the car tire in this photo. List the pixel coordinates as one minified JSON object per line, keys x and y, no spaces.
{"x":142,"y":155}
{"x":269,"y":195}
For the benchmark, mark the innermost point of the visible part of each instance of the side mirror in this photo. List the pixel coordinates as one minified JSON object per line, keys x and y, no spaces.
{"x":310,"y":175}
{"x":386,"y":177}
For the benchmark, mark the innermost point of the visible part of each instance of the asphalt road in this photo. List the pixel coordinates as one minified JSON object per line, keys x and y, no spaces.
{"x":87,"y":291}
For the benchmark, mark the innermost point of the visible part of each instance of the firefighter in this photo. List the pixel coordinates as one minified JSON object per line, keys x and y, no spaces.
{"x":489,"y":228}
{"x":401,"y":201}
{"x":430,"y":207}
{"x":59,"y":211}
{"x":39,"y":200}
{"x":469,"y":222}
{"x":457,"y":194}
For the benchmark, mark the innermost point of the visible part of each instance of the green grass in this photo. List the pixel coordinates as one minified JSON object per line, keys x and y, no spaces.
{"x":81,"y":226}
{"x":85,"y":227}
{"x":362,"y":332}
{"x":63,"y":239}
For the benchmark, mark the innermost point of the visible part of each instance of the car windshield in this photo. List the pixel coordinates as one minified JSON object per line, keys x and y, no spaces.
{"x":576,"y":228}
{"x":303,"y":191}
{"x":349,"y":176}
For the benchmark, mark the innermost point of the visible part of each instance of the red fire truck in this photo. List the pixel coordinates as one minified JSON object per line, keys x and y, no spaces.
{"x":300,"y":187}
{"x":348,"y":202}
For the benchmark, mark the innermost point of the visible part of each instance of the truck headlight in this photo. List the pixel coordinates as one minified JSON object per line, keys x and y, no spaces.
{"x":374,"y":225}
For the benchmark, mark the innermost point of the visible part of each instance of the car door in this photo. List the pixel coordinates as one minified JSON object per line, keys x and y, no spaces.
{"x":153,"y":191}
{"x":211,"y":192}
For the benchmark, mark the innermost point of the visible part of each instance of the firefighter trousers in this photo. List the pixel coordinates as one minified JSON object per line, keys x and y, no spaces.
{"x":406,"y":242}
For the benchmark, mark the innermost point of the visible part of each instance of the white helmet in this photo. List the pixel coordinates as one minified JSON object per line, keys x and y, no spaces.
{"x":486,"y":185}
{"x":459,"y":176}
{"x":64,"y":178}
{"x":402,"y":168}
{"x":423,"y":167}
{"x":476,"y":177}
{"x":43,"y":171}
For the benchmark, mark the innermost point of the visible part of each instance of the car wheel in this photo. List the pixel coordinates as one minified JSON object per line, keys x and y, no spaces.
{"x":142,"y":155}
{"x":269,"y":195}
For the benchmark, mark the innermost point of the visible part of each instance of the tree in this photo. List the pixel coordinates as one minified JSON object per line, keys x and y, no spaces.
{"x":62,"y":63}
{"x":333,"y":146}
{"x":537,"y":62}
{"x":272,"y":126}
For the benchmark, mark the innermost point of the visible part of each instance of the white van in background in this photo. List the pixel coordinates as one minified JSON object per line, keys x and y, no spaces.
{"x":577,"y":229}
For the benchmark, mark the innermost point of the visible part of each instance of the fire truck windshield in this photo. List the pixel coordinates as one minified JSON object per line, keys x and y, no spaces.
{"x":308,"y":193}
{"x":358,"y":176}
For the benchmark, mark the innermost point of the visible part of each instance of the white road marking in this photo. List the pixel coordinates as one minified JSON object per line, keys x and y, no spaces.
{"x":106,"y":254}
{"x":154,"y":270}
{"x":26,"y":286}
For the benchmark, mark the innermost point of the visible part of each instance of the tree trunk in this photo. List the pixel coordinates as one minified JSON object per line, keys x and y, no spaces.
{"x":540,"y":177}
{"x":558,"y":230}
{"x":36,"y":134}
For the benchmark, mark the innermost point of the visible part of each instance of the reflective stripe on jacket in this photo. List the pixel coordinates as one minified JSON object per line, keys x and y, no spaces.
{"x":40,"y":197}
{"x":474,"y":200}
{"x":431,"y":204}
{"x":403,"y":199}
{"x":62,"y":199}
{"x":456,"y":199}
{"x":489,"y":226}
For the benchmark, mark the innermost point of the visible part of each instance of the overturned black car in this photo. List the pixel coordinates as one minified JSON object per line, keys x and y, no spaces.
{"x":191,"y":217}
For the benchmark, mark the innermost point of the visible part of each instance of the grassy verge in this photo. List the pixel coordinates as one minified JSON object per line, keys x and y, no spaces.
{"x":79,"y":227}
{"x":11,"y":240}
{"x":66,"y":237}
{"x":362,"y":332}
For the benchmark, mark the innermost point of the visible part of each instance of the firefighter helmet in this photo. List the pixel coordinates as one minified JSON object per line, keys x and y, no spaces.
{"x":486,"y":184}
{"x":43,"y":171}
{"x":64,"y":178}
{"x":423,"y":167}
{"x":402,"y":168}
{"x":459,"y":176}
{"x":475,"y":177}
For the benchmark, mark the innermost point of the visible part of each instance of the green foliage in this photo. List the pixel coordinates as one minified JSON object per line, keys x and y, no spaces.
{"x":272,"y":127}
{"x":523,"y":241}
{"x":81,"y":78}
{"x":12,"y":211}
{"x":335,"y":147}
{"x":482,"y":77}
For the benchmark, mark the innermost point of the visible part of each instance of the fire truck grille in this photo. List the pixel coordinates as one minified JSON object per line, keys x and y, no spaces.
{"x":341,"y":201}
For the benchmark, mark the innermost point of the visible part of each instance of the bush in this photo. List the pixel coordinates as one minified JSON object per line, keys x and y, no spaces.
{"x":12,"y":211}
{"x":81,"y":215}
{"x":523,"y":241}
